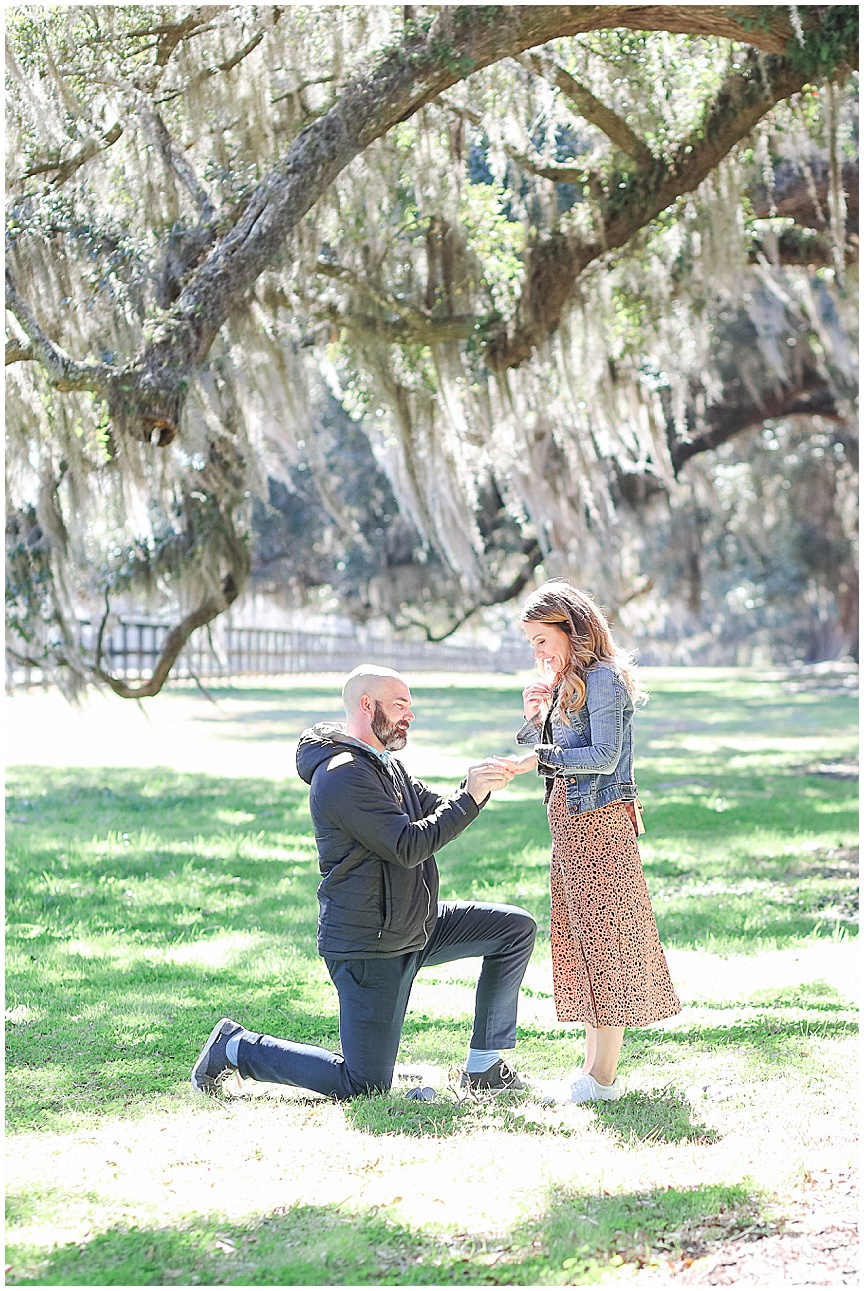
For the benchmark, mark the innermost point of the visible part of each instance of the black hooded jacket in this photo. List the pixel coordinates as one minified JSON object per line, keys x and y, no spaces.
{"x":376,"y":834}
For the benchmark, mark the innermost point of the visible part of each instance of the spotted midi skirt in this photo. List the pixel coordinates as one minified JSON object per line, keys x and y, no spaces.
{"x":608,"y":967}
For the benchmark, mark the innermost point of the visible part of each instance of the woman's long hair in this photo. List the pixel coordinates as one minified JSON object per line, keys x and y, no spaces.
{"x":590,"y":639}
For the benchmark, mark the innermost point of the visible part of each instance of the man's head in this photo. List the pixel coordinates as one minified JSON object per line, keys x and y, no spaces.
{"x":378,"y":706}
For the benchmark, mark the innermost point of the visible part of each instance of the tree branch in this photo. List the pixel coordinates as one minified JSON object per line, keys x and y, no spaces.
{"x":128,"y":396}
{"x":420,"y":331}
{"x":415,"y":325}
{"x":66,"y":169}
{"x":210,"y":608}
{"x":64,"y":373}
{"x":170,"y":36}
{"x":174,"y":158}
{"x":558,"y":174}
{"x":733,"y":415}
{"x":636,"y":198}
{"x":800,"y":246}
{"x":496,"y":596}
{"x":589,"y":106}
{"x":18,"y":353}
{"x":402,"y":308}
{"x":794,"y":192}
{"x":228,"y":65}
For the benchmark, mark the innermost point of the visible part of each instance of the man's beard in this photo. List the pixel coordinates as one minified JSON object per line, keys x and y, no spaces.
{"x":391,"y":735}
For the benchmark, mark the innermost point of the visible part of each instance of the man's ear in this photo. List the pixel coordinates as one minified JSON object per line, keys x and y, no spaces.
{"x":367,"y":705}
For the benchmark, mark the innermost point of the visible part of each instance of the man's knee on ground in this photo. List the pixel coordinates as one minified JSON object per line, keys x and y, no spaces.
{"x":360,"y":1088}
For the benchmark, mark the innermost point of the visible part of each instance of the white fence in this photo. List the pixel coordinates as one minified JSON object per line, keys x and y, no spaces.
{"x":133,"y":647}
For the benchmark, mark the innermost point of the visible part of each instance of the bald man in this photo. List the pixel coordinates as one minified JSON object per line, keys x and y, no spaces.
{"x":377,"y":829}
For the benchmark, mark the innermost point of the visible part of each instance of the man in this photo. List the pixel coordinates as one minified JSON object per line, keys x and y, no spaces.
{"x":380,"y":921}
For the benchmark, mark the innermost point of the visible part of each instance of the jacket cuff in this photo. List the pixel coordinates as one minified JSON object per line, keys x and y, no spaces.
{"x":463,"y":800}
{"x":527,"y":734}
{"x":545,"y":754}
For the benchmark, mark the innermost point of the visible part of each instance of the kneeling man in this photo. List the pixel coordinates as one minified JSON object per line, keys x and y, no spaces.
{"x":377,"y":829}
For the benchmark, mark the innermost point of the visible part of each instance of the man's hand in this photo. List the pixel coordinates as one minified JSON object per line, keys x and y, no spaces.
{"x":485,"y":777}
{"x":536,"y":699}
{"x":528,"y":762}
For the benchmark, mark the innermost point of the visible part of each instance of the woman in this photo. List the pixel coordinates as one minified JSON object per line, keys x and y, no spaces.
{"x":608,"y":966}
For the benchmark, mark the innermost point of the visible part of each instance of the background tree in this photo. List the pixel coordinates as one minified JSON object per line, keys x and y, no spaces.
{"x":544,"y":257}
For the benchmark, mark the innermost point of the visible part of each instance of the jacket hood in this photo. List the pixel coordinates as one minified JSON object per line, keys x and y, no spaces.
{"x":318,"y":743}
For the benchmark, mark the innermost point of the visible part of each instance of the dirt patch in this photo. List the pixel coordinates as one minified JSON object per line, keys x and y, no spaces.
{"x":816,"y":1246}
{"x":827,"y":863}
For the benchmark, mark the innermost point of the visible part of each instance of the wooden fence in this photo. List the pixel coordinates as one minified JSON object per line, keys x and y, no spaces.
{"x":134,"y":645}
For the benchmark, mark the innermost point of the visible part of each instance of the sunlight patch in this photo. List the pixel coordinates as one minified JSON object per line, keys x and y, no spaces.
{"x":701,"y":975}
{"x":20,"y":1014}
{"x":215,"y":952}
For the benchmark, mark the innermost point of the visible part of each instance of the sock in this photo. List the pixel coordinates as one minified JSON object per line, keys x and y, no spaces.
{"x":231,"y":1049}
{"x":481,"y":1059}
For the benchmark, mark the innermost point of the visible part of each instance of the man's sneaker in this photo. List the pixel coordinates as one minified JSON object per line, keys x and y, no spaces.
{"x":213,"y":1062}
{"x":583,"y":1089}
{"x":498,"y":1077}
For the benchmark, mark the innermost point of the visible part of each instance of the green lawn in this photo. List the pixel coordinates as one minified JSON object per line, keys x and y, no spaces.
{"x":142,"y":905}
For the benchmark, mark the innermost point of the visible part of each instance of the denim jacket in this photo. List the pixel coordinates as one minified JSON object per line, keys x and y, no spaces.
{"x":594,"y":753}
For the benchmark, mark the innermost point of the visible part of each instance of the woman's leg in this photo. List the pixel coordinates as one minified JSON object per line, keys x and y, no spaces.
{"x":590,"y":1047}
{"x":606,"y":1050}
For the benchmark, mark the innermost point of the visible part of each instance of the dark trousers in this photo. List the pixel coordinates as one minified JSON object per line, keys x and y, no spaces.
{"x":373,"y":997}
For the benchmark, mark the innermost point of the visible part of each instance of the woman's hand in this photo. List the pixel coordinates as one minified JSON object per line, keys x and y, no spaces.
{"x":535,"y":697}
{"x":485,"y":777}
{"x":528,"y":762}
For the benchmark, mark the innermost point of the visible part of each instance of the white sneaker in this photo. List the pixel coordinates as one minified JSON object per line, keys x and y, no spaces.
{"x":586,"y":1089}
{"x":582,"y":1089}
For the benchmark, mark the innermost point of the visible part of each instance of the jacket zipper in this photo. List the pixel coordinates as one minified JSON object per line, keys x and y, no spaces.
{"x":428,"y":899}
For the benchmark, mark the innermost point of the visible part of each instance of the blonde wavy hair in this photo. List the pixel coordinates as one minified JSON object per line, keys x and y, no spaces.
{"x":590,"y":638}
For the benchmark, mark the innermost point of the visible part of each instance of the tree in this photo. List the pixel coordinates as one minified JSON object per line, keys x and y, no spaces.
{"x":216,"y":271}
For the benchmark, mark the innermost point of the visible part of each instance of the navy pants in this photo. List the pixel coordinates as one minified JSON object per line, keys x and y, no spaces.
{"x":373,"y":997}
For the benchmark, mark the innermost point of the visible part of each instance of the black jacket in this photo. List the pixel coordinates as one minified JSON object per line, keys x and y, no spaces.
{"x":376,"y":835}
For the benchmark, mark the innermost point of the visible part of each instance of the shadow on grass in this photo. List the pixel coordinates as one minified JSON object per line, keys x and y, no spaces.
{"x":759,"y":1032}
{"x":451,"y":1113}
{"x":577,"y":1239}
{"x":662,"y":1117}
{"x":118,"y":1034}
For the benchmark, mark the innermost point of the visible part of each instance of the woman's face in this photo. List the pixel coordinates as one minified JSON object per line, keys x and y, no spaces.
{"x":549,"y":643}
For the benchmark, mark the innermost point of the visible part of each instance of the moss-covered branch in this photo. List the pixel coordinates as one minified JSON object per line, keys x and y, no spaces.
{"x":590,"y":107}
{"x":635,"y":197}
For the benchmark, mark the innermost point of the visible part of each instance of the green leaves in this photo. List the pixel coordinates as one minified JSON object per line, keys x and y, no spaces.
{"x":829,"y":42}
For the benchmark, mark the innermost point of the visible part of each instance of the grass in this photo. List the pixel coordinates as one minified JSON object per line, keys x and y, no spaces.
{"x":145,"y":902}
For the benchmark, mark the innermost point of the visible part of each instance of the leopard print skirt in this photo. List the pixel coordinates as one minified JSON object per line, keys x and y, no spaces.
{"x":608,"y":967}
